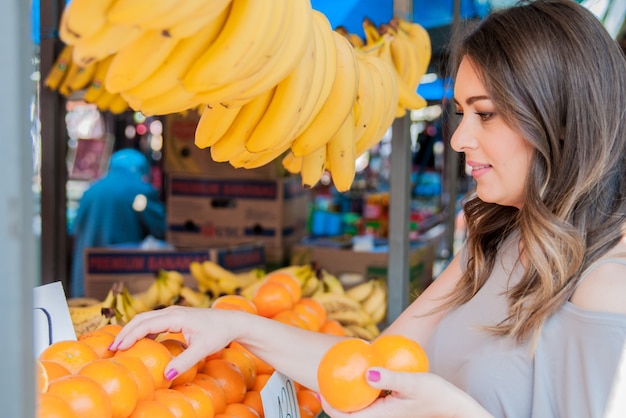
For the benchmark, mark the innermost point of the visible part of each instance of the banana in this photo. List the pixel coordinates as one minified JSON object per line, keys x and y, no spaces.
{"x":138,"y":60}
{"x":175,"y":100}
{"x":366,"y":100}
{"x":118,"y":105}
{"x":89,"y":318}
{"x":341,"y":152}
{"x":313,"y":166}
{"x":233,"y":142}
{"x":64,"y":89}
{"x":249,"y":291}
{"x":356,"y":40}
{"x":96,"y":87}
{"x":214,"y":122}
{"x":420,"y":38}
{"x":379,"y":314}
{"x":195,"y":298}
{"x":83,"y":18}
{"x":311,"y":286}
{"x":371,"y":31}
{"x":183,"y":11}
{"x":104,"y":101}
{"x":373,"y":328}
{"x":125,"y":310}
{"x":138,"y":12}
{"x":301,"y":272}
{"x":338,"y":104}
{"x":206,"y":284}
{"x":377,"y":298}
{"x":228,"y":282}
{"x":291,"y":163}
{"x":362,"y":332}
{"x":170,"y":73}
{"x":331,"y":282}
{"x":255,"y":160}
{"x":334,"y":302}
{"x":149,"y":297}
{"x":361,"y":291}
{"x":356,"y":316}
{"x":416,"y":69}
{"x":203,"y":17}
{"x":226,"y":58}
{"x":106,"y":41}
{"x":59,"y":69}
{"x":83,"y":77}
{"x":135,"y":303}
{"x":290,"y":50}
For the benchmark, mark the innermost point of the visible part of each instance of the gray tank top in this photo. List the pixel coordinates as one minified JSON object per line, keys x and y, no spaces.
{"x":570,"y":374}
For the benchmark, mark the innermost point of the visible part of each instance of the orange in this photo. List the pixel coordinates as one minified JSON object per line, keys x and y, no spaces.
{"x":84,"y":395}
{"x":253,"y":399}
{"x":341,"y":374}
{"x":171,"y":336}
{"x":260,"y":381}
{"x":316,"y":306}
{"x":308,"y":315}
{"x":225,"y":416}
{"x":244,"y":363}
{"x":154,"y":355}
{"x":198,"y":398}
{"x":176,"y":402}
{"x":50,"y":405}
{"x":176,"y":347}
{"x":54,"y":369}
{"x":261,"y":366}
{"x":118,"y":383}
{"x":291,"y":317}
{"x":70,"y":353}
{"x":140,"y":373}
{"x":306,"y":412}
{"x":308,"y":398}
{"x":213,"y":389}
{"x":99,"y":341}
{"x":111,"y":329}
{"x":271,"y":298}
{"x":290,"y":282}
{"x":241,"y":410}
{"x":401,"y":354}
{"x":41,"y":376}
{"x":150,"y":408}
{"x":229,"y":377}
{"x":240,"y":303}
{"x":332,"y":327}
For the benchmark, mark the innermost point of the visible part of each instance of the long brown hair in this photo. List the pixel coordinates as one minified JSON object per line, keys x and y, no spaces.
{"x":558,"y":78}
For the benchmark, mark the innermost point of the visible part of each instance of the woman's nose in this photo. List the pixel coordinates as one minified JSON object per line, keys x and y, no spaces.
{"x":462,"y":138}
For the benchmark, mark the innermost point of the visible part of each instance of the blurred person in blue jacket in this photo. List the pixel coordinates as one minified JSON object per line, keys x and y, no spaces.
{"x":121,"y":207}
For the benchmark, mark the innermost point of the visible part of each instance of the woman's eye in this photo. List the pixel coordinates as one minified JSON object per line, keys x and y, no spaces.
{"x":458,"y":113}
{"x":484,"y":116}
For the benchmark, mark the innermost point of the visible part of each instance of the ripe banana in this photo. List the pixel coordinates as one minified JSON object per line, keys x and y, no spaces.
{"x":138,"y":12}
{"x":206,"y":284}
{"x":70,"y":74}
{"x":194,"y":298}
{"x":334,"y":302}
{"x":118,"y":105}
{"x":104,"y":100}
{"x":233,"y":142}
{"x":214,"y":122}
{"x":331,"y":282}
{"x":371,"y":31}
{"x":173,"y":68}
{"x":356,"y":316}
{"x":361,"y":291}
{"x":341,"y":152}
{"x":203,"y":17}
{"x":96,"y":87}
{"x":226,"y":58}
{"x":291,"y":163}
{"x":150,"y":296}
{"x":183,"y":11}
{"x":59,"y":69}
{"x":89,"y":318}
{"x":274,"y":128}
{"x":310,"y":287}
{"x":358,"y":331}
{"x":301,"y":272}
{"x":338,"y":104}
{"x":175,"y":100}
{"x":106,"y":41}
{"x":377,"y":298}
{"x":138,"y":60}
{"x":83,"y":18}
{"x":420,"y":38}
{"x":366,"y":136}
{"x":366,"y":100}
{"x":83,"y":76}
{"x":312,"y":166}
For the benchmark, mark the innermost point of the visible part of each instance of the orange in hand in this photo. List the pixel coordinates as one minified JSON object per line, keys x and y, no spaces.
{"x":341,"y":375}
{"x":401,"y":354}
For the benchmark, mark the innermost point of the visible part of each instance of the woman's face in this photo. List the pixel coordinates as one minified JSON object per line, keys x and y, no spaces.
{"x":498,"y":156}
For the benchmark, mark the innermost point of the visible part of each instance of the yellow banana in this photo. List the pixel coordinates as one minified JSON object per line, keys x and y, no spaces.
{"x":377,"y":297}
{"x":356,"y":40}
{"x":233,"y":142}
{"x":291,"y":163}
{"x":106,"y":41}
{"x":371,"y":31}
{"x":204,"y":16}
{"x":83,"y":18}
{"x":214,"y":122}
{"x":226,"y":58}
{"x":274,"y":128}
{"x":83,"y":76}
{"x":370,"y":99}
{"x":138,"y":12}
{"x":118,"y":105}
{"x":356,"y":316}
{"x":96,"y":87}
{"x":104,"y":100}
{"x":361,"y":291}
{"x":338,"y":104}
{"x":341,"y":150}
{"x":138,"y":60}
{"x":175,"y":100}
{"x":255,"y":160}
{"x":64,"y":87}
{"x":312,"y":167}
{"x":360,"y":331}
{"x":170,"y":73}
{"x":335,"y":302}
{"x":195,"y":298}
{"x":184,"y":10}
{"x":59,"y":69}
{"x":420,"y":38}
{"x":415,"y":64}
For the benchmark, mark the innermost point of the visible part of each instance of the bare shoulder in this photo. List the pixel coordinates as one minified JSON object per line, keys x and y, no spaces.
{"x":604,"y":288}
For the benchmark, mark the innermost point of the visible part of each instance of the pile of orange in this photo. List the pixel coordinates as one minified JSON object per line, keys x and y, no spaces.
{"x":341,"y":373}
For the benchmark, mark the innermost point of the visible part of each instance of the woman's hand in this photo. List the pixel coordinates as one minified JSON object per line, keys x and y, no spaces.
{"x":414,"y":395}
{"x":203,"y":330}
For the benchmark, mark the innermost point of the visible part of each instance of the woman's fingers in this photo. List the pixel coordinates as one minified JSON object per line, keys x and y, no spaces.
{"x":146,"y":323}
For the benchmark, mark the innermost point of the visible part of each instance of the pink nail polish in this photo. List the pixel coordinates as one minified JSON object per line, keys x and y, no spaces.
{"x":171,"y":374}
{"x":373,"y":376}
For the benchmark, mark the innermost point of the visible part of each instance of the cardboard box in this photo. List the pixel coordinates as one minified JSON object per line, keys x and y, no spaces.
{"x":204,"y":211}
{"x":183,"y":156}
{"x":136,"y":268}
{"x":370,"y":264}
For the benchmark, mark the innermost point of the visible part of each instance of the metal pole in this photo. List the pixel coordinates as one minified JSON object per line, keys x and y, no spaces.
{"x":17,"y":241}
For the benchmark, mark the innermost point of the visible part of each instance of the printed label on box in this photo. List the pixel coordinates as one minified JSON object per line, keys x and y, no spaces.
{"x":279,"y":397}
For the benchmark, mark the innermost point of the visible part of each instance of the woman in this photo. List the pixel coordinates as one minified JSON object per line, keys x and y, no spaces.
{"x":530,"y":318}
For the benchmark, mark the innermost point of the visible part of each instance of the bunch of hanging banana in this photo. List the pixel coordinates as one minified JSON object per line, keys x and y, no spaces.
{"x":214,"y":280}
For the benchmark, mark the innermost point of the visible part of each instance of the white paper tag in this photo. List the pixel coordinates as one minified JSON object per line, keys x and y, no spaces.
{"x":51,"y":316}
{"x":279,"y":397}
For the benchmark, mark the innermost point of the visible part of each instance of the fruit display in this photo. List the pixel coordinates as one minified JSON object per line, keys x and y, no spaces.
{"x":341,"y":373}
{"x":270,"y":79}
